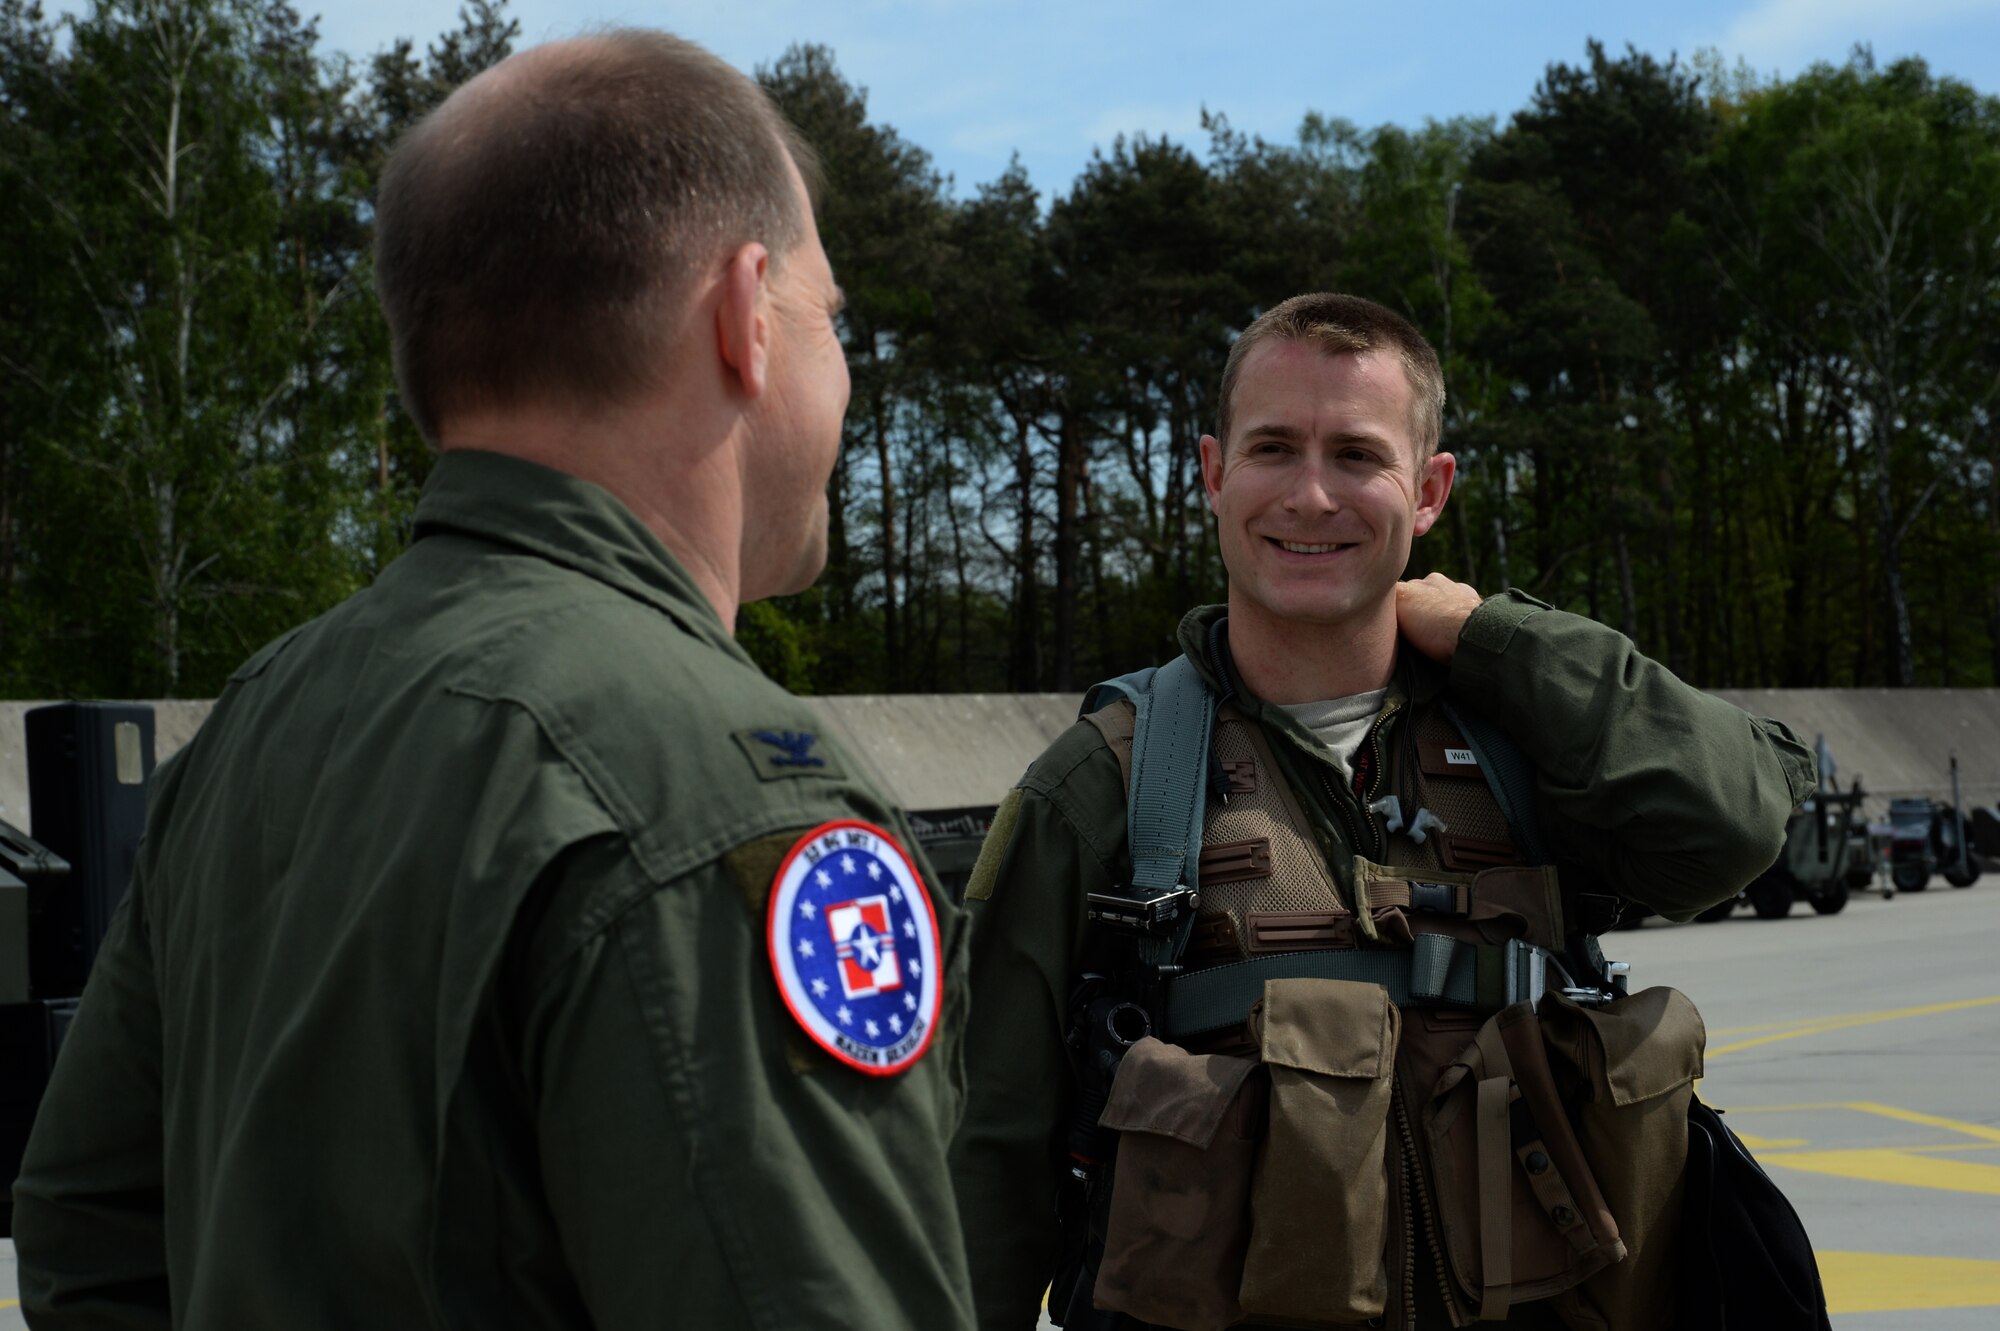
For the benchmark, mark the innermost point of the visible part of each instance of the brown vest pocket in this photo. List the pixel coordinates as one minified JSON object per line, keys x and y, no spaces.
{"x":1320,"y":1203}
{"x":1632,"y":1064}
{"x":1180,"y":1220}
{"x":1518,"y":1204}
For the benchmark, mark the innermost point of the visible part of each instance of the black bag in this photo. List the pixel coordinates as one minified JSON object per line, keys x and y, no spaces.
{"x":1747,"y":1262}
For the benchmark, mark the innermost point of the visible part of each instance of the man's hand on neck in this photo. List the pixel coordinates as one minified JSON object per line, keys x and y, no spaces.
{"x":1431,"y":613}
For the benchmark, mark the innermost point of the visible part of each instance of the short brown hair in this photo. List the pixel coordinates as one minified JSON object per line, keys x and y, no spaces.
{"x":532,"y":234}
{"x":1335,"y":324}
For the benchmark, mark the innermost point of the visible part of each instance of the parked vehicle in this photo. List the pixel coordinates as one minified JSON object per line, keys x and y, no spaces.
{"x":1867,"y":845}
{"x":1912,"y":857}
{"x":1930,"y":838}
{"x":1953,"y":847}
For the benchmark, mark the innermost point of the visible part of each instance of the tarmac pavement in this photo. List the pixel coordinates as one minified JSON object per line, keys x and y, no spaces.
{"x":1859,"y":1055}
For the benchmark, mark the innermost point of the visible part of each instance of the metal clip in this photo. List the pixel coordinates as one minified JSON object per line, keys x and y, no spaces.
{"x":1157,"y":914}
{"x":1583,"y":997}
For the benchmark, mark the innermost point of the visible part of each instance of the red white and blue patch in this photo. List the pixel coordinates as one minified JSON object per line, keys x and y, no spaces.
{"x":854,"y":942}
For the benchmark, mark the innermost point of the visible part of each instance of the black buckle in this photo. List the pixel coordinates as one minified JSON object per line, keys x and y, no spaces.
{"x":1438,"y":898}
{"x":1156,"y":915}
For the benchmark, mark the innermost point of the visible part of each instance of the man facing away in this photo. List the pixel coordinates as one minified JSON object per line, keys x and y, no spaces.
{"x":506,"y":950}
{"x":1356,"y":820}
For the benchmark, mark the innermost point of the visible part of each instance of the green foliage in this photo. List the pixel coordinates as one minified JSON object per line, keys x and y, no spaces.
{"x":1721,"y":354}
{"x":201,"y":446}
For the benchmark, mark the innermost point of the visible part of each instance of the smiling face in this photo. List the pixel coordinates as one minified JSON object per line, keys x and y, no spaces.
{"x":1319,"y":492}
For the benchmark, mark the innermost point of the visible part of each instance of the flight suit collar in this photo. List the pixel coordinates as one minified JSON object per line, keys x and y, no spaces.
{"x":1204,"y":637}
{"x":568,"y":521}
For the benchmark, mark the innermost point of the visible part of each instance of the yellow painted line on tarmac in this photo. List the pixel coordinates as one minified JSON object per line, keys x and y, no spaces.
{"x":1792,"y":1031}
{"x":1906,"y":1168}
{"x":1979,"y":1130}
{"x":1875,"y":1282}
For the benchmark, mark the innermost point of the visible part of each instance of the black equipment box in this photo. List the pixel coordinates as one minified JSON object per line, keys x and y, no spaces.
{"x":29,"y":872}
{"x":30,"y":1035}
{"x":88,"y":768}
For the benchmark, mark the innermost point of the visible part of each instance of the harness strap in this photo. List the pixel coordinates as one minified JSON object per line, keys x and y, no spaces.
{"x":1508,"y":775}
{"x":1169,"y":777}
{"x":1167,"y":797}
{"x":1496,"y":1211}
{"x":1437,"y":971}
{"x":1442,"y":898}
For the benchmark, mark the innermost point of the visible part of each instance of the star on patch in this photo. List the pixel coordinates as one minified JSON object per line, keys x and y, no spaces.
{"x":847,"y":864}
{"x":846,"y":1015}
{"x":805,"y":947}
{"x":910,"y":1002}
{"x":824,"y":878}
{"x":895,"y":1023}
{"x":916,"y":968}
{"x":873,"y":1028}
{"x":874,"y":869}
{"x":807,"y":909}
{"x":819,"y":988}
{"x":909,"y":928}
{"x":895,"y":894}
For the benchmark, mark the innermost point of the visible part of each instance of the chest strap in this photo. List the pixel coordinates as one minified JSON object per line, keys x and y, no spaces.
{"x":1437,"y":972}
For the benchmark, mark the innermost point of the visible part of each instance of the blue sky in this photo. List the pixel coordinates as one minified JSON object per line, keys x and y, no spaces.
{"x":975,"y":82}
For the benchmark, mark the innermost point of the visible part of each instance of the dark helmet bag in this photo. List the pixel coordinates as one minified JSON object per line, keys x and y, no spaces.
{"x":1746,"y":1263}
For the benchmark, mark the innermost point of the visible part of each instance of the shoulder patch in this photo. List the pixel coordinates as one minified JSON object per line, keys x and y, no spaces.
{"x":854,"y":945}
{"x":993,"y":851}
{"x":777,"y":752}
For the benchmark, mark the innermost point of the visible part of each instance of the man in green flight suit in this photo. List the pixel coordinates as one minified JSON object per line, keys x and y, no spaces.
{"x":1323,"y":469}
{"x":506,"y":949}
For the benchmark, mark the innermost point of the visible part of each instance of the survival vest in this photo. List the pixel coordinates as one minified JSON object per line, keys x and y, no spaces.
{"x":1431,"y":1095}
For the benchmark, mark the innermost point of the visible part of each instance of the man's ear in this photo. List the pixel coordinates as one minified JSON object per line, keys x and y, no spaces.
{"x":743,"y":317}
{"x":1211,"y":468}
{"x":1433,"y":488}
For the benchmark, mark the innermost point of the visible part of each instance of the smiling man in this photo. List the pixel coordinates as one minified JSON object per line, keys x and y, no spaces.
{"x":1364,"y":728}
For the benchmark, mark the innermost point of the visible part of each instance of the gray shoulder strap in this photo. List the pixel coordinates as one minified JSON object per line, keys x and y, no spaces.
{"x":1168,"y":795}
{"x":1508,"y":774}
{"x":1104,"y":693}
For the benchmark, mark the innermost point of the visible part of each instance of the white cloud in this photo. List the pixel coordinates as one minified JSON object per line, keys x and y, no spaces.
{"x":1789,"y":33}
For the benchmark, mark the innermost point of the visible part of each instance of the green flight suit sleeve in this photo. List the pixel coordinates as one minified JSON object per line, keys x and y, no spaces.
{"x":1057,"y":839}
{"x":1673,"y":797}
{"x":89,"y":1226}
{"x":705,"y":1164}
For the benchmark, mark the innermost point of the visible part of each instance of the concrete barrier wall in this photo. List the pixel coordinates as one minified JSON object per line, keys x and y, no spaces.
{"x":1898,"y":741}
{"x":954,"y":751}
{"x":930,"y":751}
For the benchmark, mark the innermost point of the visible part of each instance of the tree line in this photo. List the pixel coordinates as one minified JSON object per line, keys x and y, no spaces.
{"x":1720,"y":350}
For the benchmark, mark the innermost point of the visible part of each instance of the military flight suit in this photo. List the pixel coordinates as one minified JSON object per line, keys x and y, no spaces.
{"x":441,"y":995}
{"x":1659,"y":792}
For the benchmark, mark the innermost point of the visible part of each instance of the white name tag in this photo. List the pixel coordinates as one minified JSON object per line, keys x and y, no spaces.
{"x":1460,"y":758}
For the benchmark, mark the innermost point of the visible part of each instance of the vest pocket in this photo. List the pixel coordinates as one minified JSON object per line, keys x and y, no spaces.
{"x":1633,"y":1063}
{"x":1179,"y":1219}
{"x":1519,"y":1210}
{"x":1319,"y":1203}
